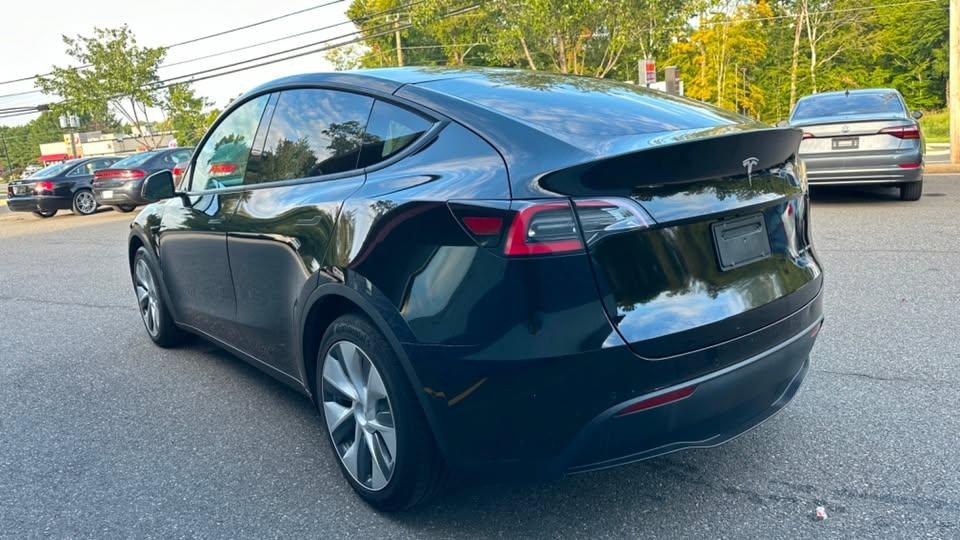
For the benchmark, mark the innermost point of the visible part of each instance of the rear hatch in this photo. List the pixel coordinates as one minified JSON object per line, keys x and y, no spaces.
{"x":720,"y":247}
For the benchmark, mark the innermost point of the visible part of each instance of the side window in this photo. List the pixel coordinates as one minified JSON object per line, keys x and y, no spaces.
{"x":80,"y":170}
{"x":391,"y":129}
{"x":313,"y":132}
{"x":180,"y":156}
{"x":222,"y":160}
{"x":101,"y":164}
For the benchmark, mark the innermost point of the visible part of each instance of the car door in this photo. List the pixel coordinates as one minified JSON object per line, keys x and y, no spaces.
{"x":192,"y":231}
{"x":295,"y":186}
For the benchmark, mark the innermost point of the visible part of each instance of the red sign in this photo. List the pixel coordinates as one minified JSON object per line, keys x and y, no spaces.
{"x":649,"y":71}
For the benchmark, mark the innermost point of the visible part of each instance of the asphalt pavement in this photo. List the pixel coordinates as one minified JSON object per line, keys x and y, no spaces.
{"x":103,"y":435}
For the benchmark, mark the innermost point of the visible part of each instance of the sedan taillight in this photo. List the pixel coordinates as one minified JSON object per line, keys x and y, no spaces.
{"x":40,"y":187}
{"x":902,"y":132}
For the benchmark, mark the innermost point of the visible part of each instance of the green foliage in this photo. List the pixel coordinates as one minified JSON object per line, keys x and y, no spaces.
{"x":121,"y":78}
{"x":840,"y":43}
{"x":936,"y":126}
{"x":23,"y":142}
{"x":186,"y":115}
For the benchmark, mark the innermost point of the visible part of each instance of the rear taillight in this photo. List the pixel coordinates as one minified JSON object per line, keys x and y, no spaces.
{"x":223,"y":169}
{"x":541,"y":228}
{"x":808,"y":135}
{"x":548,"y":227}
{"x":40,"y":187}
{"x":118,"y":174}
{"x":909,"y":165}
{"x":902,"y":132}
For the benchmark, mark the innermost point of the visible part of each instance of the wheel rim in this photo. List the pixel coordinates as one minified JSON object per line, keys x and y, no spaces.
{"x":147,"y":298}
{"x":359,"y":415}
{"x":86,"y":203}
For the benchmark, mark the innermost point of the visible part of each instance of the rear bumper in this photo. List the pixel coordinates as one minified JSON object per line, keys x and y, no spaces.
{"x":864,"y":169}
{"x":546,"y":417}
{"x":723,"y":406}
{"x":127,"y":193}
{"x":44,"y":203}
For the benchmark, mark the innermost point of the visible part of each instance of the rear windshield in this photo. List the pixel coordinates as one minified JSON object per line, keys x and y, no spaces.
{"x":133,"y":161}
{"x":52,"y":170}
{"x":848,"y":104}
{"x":582,"y":110}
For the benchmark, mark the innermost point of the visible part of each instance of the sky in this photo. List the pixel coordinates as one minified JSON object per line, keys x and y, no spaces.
{"x":30,"y":40}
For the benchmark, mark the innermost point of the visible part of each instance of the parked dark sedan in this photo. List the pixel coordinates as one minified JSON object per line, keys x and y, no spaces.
{"x":65,"y":186}
{"x":119,"y":186}
{"x":475,"y":270}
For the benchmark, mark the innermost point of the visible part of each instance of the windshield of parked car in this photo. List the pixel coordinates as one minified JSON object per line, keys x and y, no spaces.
{"x":848,"y":104}
{"x":133,"y":161}
{"x":52,"y":170}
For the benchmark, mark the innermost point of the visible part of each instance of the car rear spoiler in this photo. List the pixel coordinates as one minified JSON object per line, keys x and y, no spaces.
{"x":680,"y":161}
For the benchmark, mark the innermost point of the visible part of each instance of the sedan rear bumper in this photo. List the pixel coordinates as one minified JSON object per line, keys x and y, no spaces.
{"x":124,"y":194}
{"x":889,"y":168}
{"x":39,"y":203}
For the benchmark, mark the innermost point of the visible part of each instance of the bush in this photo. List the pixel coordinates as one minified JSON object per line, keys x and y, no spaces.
{"x":935,"y":126}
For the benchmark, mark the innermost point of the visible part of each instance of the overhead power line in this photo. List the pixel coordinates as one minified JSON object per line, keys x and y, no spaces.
{"x":205,"y":37}
{"x":206,"y":74}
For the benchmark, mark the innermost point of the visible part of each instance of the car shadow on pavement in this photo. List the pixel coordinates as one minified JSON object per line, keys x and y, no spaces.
{"x":853,"y":194}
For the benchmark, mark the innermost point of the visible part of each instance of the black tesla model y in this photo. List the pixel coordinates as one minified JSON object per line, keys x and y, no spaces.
{"x":491,"y":270}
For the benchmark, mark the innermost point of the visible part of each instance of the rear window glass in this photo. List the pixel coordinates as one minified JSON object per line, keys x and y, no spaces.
{"x":582,"y":110}
{"x":135,"y":160}
{"x":52,"y":170}
{"x":848,"y":104}
{"x":390,"y":130}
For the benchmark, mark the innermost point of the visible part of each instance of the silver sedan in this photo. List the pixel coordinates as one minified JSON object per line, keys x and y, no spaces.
{"x":861,"y":137}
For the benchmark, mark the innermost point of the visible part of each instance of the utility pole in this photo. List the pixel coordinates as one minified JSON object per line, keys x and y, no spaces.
{"x":399,"y":44}
{"x":6,"y":155}
{"x":953,"y":101}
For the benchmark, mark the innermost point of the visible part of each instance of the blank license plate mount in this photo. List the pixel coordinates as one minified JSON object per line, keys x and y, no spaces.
{"x":741,"y":241}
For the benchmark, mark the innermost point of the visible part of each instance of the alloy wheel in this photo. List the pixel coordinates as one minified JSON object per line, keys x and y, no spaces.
{"x":147,"y":299}
{"x":86,"y":203}
{"x":358,"y":414}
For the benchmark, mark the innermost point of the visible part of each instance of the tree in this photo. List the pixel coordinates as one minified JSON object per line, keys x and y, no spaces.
{"x":185,"y":114}
{"x":118,"y":77}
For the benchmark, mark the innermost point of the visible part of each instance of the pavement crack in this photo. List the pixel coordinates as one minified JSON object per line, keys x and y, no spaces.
{"x":881,"y":378}
{"x":4,"y":298}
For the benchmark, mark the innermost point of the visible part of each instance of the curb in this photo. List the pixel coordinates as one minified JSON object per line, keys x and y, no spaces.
{"x":935,"y":168}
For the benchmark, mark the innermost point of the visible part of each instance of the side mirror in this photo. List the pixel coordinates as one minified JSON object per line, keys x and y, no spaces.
{"x":158,"y":186}
{"x":783,"y":123}
{"x":916,"y":114}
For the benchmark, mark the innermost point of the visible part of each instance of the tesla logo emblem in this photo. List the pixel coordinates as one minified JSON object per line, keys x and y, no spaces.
{"x":845,"y":129}
{"x":749,"y":164}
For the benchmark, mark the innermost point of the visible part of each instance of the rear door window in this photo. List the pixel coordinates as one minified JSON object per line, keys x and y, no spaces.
{"x":390,"y":130}
{"x":313,"y":132}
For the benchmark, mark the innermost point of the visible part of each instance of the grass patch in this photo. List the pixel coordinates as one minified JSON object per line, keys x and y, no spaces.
{"x":935,"y":126}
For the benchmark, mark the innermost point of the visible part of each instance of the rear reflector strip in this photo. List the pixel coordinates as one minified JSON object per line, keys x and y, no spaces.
{"x":909,"y":165}
{"x":662,"y":399}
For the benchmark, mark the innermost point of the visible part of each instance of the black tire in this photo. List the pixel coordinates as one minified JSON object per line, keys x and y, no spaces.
{"x":81,"y":203}
{"x":164,"y":332}
{"x":126,"y":208}
{"x":45,"y":213}
{"x":418,"y":470}
{"x":911,"y":191}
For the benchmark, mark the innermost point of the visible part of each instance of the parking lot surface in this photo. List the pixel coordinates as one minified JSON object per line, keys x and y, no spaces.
{"x":104,"y":435}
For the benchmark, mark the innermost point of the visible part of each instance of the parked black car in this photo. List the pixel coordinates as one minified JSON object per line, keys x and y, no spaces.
{"x":476,"y":269}
{"x":65,"y":186}
{"x":119,"y":185}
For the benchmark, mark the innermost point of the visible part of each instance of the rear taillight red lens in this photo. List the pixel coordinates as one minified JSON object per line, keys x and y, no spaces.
{"x":807,"y":135}
{"x":548,"y":226}
{"x":542,"y":228}
{"x":656,"y":401}
{"x":909,"y":165}
{"x":119,"y":174}
{"x":902,"y":132}
{"x":223,"y":169}
{"x":43,"y":186}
